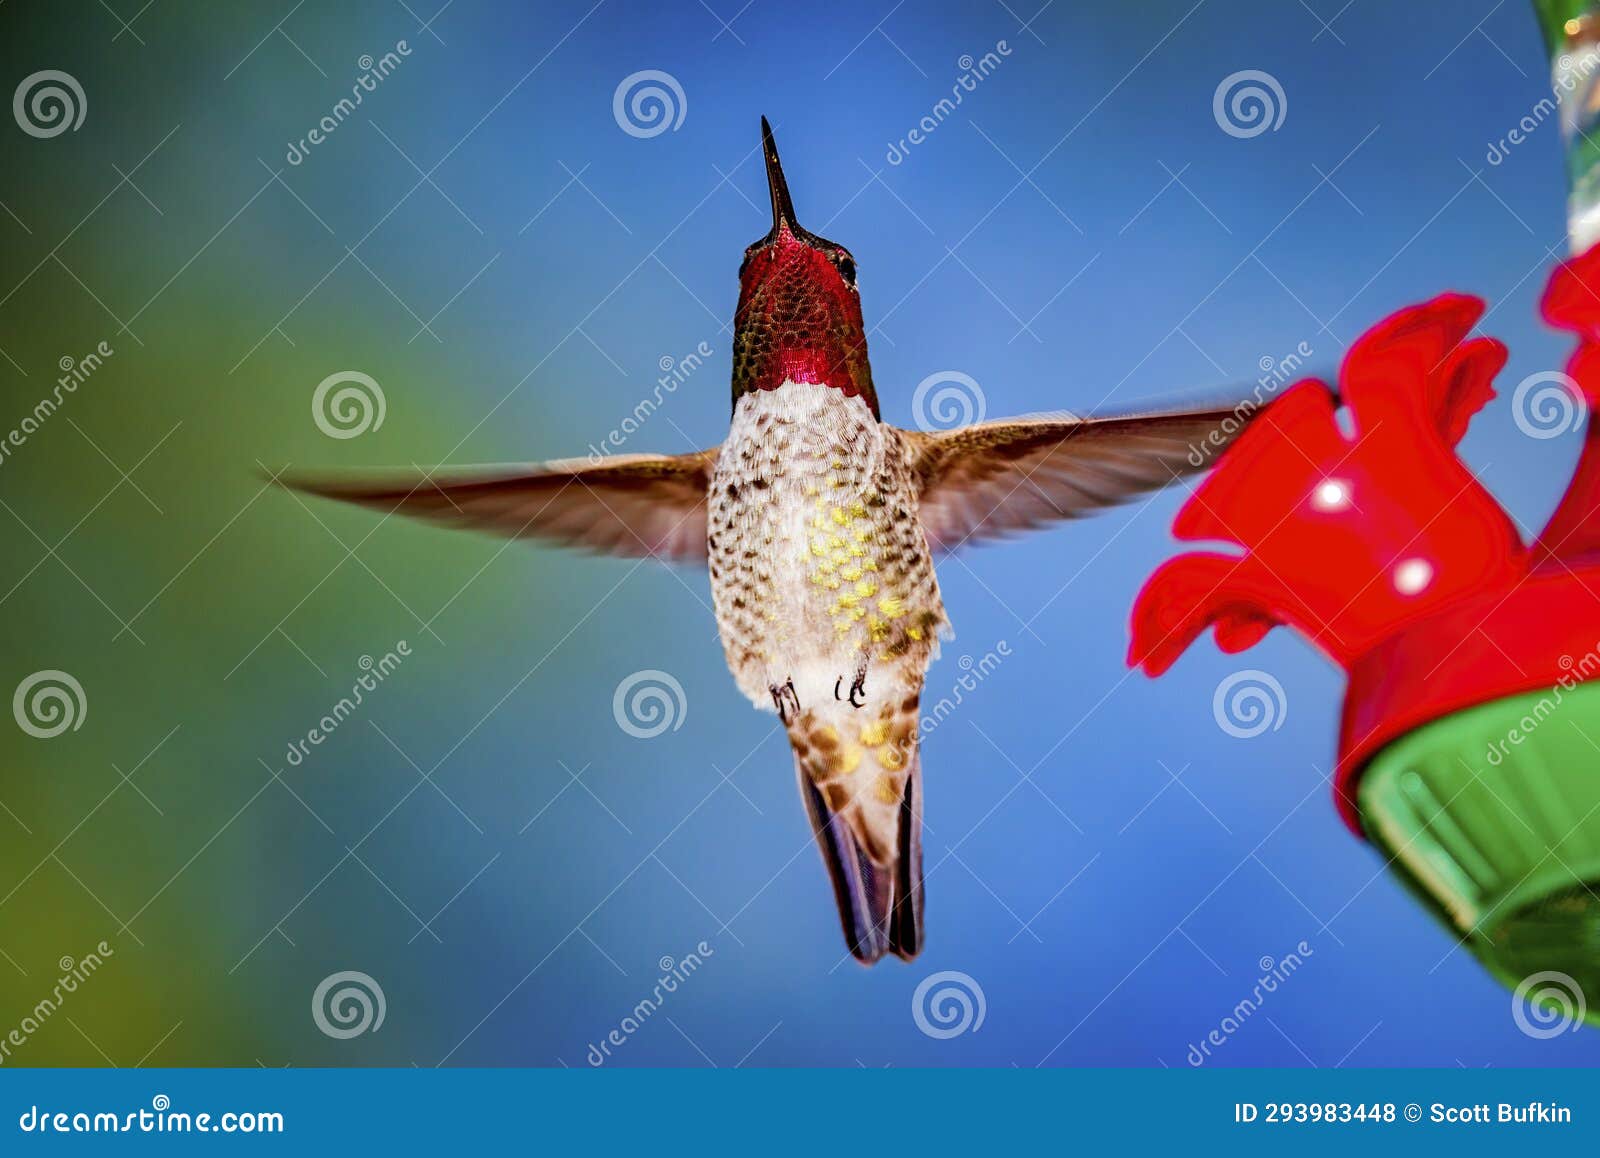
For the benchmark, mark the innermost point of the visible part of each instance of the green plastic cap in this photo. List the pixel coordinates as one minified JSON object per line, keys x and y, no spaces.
{"x":1492,"y":816}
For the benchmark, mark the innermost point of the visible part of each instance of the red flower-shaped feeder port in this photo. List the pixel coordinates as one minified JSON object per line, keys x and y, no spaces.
{"x":1470,"y":743}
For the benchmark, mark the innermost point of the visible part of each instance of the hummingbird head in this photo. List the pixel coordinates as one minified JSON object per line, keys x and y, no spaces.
{"x":799,"y":316}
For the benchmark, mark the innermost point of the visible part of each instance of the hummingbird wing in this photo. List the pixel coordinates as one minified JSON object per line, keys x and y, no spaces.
{"x":633,"y":505}
{"x":983,"y":481}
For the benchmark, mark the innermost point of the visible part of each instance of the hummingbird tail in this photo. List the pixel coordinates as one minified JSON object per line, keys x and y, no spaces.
{"x":880,"y":900}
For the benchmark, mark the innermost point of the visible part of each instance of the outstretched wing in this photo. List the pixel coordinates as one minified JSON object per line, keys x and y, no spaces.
{"x":980,"y":482}
{"x":634,"y":505}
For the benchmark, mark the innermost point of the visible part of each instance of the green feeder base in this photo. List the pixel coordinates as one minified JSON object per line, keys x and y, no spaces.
{"x":1492,"y":816}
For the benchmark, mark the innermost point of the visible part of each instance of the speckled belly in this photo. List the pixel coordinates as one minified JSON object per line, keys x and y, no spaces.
{"x":819,"y":565}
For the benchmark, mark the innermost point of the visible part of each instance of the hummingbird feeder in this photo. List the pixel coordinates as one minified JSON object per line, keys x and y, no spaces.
{"x":1469,"y":746}
{"x":1469,"y":750}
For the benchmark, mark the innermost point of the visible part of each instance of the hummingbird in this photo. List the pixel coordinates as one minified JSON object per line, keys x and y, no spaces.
{"x":819,"y":524}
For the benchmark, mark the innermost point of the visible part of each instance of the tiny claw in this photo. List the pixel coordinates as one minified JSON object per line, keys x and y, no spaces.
{"x":858,"y":687}
{"x":785,"y":699}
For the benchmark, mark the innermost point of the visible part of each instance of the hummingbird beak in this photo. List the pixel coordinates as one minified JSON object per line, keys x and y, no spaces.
{"x":782,"y":206}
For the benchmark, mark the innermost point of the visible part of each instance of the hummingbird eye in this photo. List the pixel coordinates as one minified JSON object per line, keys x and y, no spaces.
{"x":847,"y":268}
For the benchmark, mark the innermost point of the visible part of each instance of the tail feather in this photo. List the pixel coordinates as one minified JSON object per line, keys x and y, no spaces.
{"x":880,"y":905}
{"x":905,"y":929}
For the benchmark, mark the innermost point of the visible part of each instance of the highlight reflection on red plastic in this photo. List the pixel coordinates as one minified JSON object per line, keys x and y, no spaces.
{"x":1344,"y":537}
{"x":1373,"y":540}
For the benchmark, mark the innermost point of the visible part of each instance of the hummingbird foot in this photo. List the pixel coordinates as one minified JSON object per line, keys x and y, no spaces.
{"x":857,"y":688}
{"x":786,"y":700}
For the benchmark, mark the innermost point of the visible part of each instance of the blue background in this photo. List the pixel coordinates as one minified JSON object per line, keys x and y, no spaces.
{"x":1110,"y":915}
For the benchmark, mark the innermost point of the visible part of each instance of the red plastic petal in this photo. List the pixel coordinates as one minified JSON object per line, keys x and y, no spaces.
{"x":1347,"y":538}
{"x":1572,"y":298}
